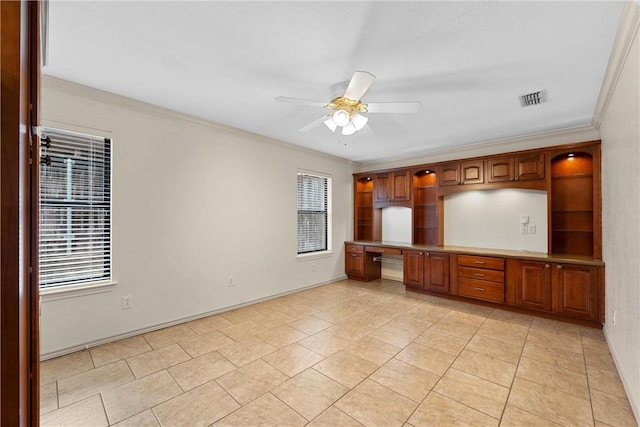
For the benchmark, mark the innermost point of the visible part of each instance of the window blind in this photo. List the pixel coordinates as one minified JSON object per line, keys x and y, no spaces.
{"x":75,"y":208}
{"x":313,"y":213}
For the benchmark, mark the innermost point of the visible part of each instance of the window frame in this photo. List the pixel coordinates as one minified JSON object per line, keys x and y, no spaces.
{"x":329,"y":217}
{"x":69,"y":289}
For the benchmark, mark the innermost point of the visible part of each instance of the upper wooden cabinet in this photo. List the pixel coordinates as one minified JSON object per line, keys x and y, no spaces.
{"x":500,"y":169}
{"x":472,"y":172}
{"x":392,"y":189}
{"x":529,"y":166}
{"x":449,"y":174}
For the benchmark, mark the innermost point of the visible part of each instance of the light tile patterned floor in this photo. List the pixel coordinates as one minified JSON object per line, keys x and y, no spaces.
{"x":344,"y":354}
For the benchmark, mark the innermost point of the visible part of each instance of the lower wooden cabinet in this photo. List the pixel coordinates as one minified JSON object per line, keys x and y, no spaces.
{"x":354,"y":264}
{"x":576,"y":290}
{"x":533,"y":288}
{"x":426,"y":270}
{"x":567,"y":289}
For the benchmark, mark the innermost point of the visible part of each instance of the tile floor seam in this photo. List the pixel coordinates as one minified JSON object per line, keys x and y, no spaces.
{"x":289,"y":406}
{"x":515,"y":374}
{"x":451,"y":367}
{"x":586,"y":373}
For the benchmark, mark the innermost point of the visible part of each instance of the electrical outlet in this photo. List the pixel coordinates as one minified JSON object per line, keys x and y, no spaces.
{"x":523,"y":228}
{"x":532,"y":229}
{"x":127,"y":302}
{"x":230,"y":281}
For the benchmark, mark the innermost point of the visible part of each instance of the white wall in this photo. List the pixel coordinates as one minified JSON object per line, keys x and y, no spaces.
{"x":491,"y":219}
{"x":620,"y":132}
{"x":193,"y":203}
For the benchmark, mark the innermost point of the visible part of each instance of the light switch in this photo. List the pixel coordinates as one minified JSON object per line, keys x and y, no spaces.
{"x":524,"y":219}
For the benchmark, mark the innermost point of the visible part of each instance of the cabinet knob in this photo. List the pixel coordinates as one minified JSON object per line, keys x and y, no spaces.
{"x":547,"y":266}
{"x":427,"y":253}
{"x":559,"y":267}
{"x":420,"y":253}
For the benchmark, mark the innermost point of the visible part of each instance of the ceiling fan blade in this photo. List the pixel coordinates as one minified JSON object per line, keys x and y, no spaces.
{"x":358,"y":85}
{"x":301,"y":101}
{"x":393,"y":107}
{"x":313,"y":124}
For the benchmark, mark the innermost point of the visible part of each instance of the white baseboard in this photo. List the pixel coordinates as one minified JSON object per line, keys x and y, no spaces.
{"x":633,"y":399}
{"x":85,"y":346}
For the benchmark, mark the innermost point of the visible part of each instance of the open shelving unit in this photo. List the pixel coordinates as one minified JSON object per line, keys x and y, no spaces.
{"x":425,"y":207}
{"x":572,"y":204}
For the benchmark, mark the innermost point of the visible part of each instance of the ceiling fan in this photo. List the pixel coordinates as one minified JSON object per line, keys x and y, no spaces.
{"x":348,"y":109}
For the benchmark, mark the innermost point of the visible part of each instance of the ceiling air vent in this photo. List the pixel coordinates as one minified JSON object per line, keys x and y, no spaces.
{"x":533,"y":98}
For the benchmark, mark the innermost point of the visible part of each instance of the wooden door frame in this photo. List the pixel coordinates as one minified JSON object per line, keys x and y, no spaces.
{"x":19,"y":187}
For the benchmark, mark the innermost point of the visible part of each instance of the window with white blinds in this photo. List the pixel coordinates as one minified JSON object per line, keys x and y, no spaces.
{"x":314,"y":213}
{"x":75,"y":208}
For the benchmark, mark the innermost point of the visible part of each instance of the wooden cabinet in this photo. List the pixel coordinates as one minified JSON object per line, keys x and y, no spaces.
{"x":576,"y":290}
{"x":529,"y":166}
{"x":472,"y":172}
{"x":481,"y":277}
{"x":359,"y":264}
{"x":533,"y":289}
{"x":426,"y":270}
{"x":425,"y":208}
{"x":567,"y":289}
{"x":413,"y":268}
{"x":436,"y":272}
{"x":367,"y":220}
{"x":500,"y":169}
{"x":392,"y":188}
{"x":449,"y":174}
{"x":575,"y":199}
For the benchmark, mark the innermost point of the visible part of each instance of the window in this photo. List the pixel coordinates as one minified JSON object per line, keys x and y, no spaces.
{"x":314,"y":213}
{"x":75,"y":208}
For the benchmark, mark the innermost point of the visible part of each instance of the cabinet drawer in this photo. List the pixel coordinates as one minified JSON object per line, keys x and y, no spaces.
{"x":481,"y":289}
{"x":379,"y":250}
{"x":481,"y":274}
{"x":355,"y":249}
{"x":481,"y":262}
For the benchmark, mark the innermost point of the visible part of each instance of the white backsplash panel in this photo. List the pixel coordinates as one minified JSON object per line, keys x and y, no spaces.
{"x":492,"y":219}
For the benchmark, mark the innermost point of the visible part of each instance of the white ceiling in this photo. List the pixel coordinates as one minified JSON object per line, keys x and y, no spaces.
{"x":465,"y":62}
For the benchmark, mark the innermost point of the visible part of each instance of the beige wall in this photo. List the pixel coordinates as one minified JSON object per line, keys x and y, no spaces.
{"x":620,"y":132}
{"x":193,"y":203}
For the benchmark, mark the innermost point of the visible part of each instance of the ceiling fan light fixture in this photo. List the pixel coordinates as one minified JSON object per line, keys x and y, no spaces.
{"x":349,"y":129}
{"x":331,"y":124}
{"x":341,"y":118}
{"x":359,"y":121}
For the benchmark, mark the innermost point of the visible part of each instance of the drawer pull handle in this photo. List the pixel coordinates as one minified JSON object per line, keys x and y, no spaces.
{"x":479,"y":275}
{"x":559,"y":267}
{"x":354,"y":254}
{"x":479,"y":262}
{"x":547,"y":266}
{"x":479,"y":289}
{"x":381,"y":250}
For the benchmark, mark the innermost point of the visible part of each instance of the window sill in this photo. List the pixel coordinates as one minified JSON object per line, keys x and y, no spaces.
{"x":314,"y":255}
{"x":74,"y":291}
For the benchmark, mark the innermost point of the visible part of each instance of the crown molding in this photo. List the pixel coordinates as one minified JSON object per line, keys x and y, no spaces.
{"x":627,"y":31}
{"x":80,"y":90}
{"x":519,"y":143}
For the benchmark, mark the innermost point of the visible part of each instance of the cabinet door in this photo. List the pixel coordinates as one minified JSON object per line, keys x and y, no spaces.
{"x":381,"y":190}
{"x":576,"y":290}
{"x":354,"y":264}
{"x":450,"y":174}
{"x":500,"y":170}
{"x":530,"y":166}
{"x":534,"y":286}
{"x":401,"y":186}
{"x":472,"y":172}
{"x":436,"y":272}
{"x":414,"y":268}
